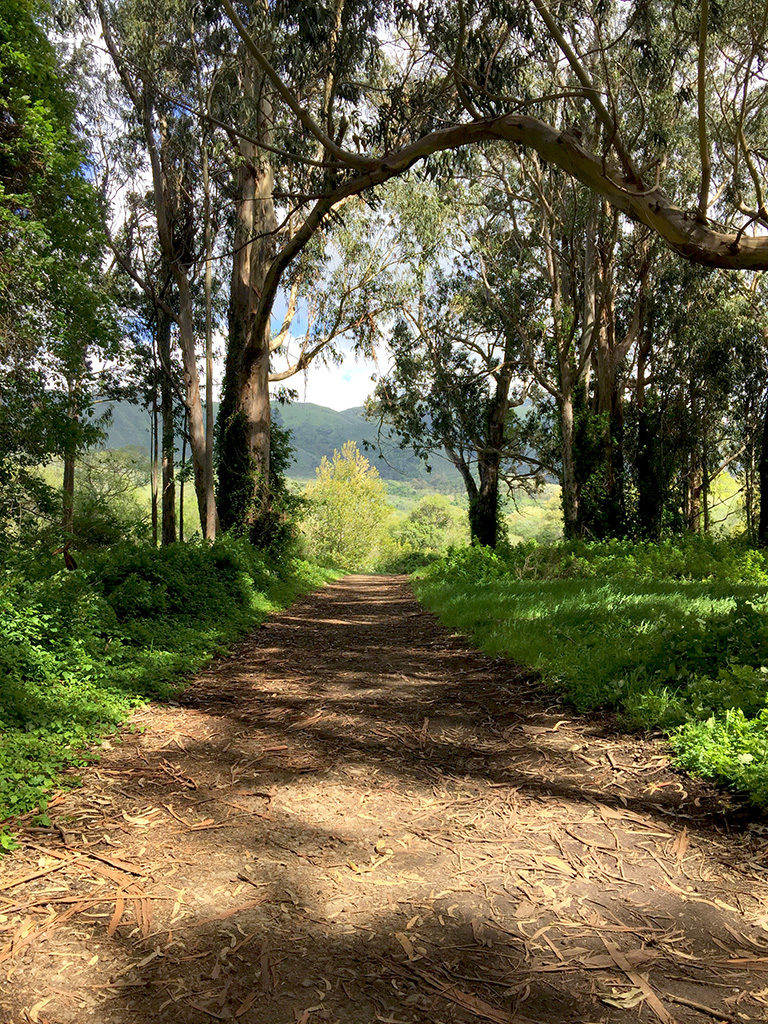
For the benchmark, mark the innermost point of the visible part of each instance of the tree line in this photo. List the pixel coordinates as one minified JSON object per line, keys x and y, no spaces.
{"x":554,"y":215}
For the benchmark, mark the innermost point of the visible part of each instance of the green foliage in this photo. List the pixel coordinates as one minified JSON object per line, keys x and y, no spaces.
{"x":54,"y":310}
{"x":107,"y":508}
{"x":730,"y":746}
{"x":673,"y":636}
{"x":79,"y":649}
{"x":536,"y":516}
{"x":348,"y":511}
{"x":429,"y":529}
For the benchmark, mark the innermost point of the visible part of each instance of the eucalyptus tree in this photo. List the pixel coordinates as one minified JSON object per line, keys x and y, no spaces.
{"x":321,"y":50}
{"x":469,"y":73}
{"x":341,"y":99}
{"x":150,"y":51}
{"x":457,"y":373}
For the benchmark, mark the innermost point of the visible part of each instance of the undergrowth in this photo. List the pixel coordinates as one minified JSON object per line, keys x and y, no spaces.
{"x":79,"y":650}
{"x":673,"y":636}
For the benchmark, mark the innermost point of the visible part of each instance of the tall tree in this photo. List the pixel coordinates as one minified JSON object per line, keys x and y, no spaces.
{"x":54,"y":312}
{"x":143,"y":48}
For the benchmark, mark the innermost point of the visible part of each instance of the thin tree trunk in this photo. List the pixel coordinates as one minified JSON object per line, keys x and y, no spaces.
{"x":181,"y":481}
{"x":68,"y":486}
{"x":168,"y":499}
{"x":192,"y":399}
{"x":153,"y":452}
{"x":570,"y":494}
{"x":694,"y":497}
{"x":705,"y":483}
{"x":210,"y":525}
{"x":762,"y":527}
{"x":68,"y":489}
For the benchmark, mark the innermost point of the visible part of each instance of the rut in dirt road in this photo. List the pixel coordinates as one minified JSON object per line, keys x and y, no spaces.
{"x":354,"y":817}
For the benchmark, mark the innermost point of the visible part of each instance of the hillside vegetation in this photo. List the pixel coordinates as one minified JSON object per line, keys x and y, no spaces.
{"x":673,"y":636}
{"x":316,"y":431}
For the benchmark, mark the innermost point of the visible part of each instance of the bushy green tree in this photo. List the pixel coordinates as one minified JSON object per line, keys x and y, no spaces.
{"x":348,"y":510}
{"x":432,"y":526}
{"x":54,"y":311}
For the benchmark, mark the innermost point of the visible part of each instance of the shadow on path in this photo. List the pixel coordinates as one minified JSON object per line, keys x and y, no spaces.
{"x":354,"y":817}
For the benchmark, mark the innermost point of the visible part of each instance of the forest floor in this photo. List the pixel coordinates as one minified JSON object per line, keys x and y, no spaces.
{"x":354,"y":817}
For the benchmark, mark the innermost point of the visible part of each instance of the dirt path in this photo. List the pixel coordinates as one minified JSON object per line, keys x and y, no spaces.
{"x":356,"y":818}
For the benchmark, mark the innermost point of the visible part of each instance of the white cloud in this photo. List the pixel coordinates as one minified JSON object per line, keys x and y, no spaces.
{"x":338,"y":387}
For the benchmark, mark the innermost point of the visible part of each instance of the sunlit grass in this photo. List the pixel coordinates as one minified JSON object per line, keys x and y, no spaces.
{"x":682,"y":655}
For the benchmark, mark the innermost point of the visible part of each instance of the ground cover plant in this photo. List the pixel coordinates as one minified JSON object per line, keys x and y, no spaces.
{"x":79,"y":650}
{"x":672,"y":635}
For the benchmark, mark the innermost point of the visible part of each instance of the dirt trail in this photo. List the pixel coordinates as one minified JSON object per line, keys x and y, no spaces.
{"x":356,"y":818}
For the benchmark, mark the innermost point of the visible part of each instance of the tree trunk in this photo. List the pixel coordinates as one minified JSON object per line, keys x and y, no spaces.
{"x":68,"y":485}
{"x":153,"y":454}
{"x":570,"y":494}
{"x":244,"y":417}
{"x":694,"y":497}
{"x":192,"y":400}
{"x":168,"y":496}
{"x":484,"y":510}
{"x":649,"y":495}
{"x":475,"y":510}
{"x":180,"y":273}
{"x":68,"y":490}
{"x":762,"y":526}
{"x":181,"y":482}
{"x":210,"y":525}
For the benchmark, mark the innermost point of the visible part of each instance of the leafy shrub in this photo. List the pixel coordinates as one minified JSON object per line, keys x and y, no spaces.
{"x":731,"y":747}
{"x":79,"y":649}
{"x":692,"y":559}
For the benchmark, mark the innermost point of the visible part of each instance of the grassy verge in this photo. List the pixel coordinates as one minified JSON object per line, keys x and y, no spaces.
{"x":79,"y":650}
{"x":673,"y":636}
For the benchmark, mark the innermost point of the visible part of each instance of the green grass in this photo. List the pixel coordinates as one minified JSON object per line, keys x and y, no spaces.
{"x":672,"y":636}
{"x":79,"y":650}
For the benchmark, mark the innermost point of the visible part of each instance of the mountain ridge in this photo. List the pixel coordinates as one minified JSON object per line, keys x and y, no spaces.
{"x":317,"y":431}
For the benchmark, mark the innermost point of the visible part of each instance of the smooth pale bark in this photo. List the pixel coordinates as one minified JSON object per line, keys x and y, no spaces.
{"x":181,"y":482}
{"x":570,"y":488}
{"x":154,"y":455}
{"x":192,"y":399}
{"x":168,"y":492}
{"x":679,"y":229}
{"x":210,"y":524}
{"x":140,"y":90}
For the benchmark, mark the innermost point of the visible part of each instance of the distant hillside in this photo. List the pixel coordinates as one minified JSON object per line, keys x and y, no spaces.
{"x":316,"y":431}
